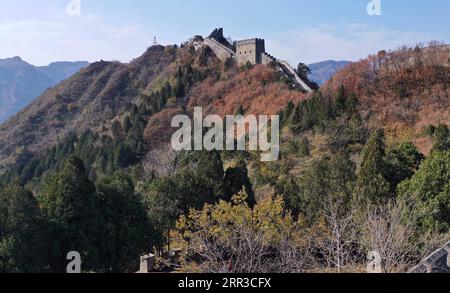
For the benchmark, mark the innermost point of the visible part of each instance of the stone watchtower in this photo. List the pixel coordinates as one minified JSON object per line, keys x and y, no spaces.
{"x":250,"y":50}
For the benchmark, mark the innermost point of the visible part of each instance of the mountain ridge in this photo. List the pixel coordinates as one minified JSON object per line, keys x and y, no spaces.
{"x":82,"y":101}
{"x":159,"y":82}
{"x":322,"y":71}
{"x":106,"y":98}
{"x":21,"y":82}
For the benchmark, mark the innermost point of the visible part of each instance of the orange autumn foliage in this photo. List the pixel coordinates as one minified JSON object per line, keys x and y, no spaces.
{"x":406,"y":88}
{"x":257,"y":90}
{"x":158,"y":130}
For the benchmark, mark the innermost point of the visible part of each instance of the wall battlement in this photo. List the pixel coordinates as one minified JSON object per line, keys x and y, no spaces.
{"x":222,"y":52}
{"x":249,"y":41}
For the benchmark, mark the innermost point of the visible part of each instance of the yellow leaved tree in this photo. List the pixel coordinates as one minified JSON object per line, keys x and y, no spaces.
{"x":232,"y":237}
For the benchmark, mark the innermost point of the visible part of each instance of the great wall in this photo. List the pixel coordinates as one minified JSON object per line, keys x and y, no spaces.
{"x":249,"y":51}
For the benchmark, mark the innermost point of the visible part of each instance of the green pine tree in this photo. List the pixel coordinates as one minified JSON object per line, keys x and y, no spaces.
{"x":69,"y":203}
{"x":372,"y":187}
{"x":22,"y":232}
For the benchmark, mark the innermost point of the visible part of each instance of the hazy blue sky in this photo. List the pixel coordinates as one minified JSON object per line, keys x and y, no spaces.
{"x":41,"y":31}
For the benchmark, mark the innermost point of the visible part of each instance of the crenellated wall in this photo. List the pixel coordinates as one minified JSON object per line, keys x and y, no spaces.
{"x":266,"y":59}
{"x":222,"y":52}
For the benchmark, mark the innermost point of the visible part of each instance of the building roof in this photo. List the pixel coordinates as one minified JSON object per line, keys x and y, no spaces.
{"x":436,"y":262}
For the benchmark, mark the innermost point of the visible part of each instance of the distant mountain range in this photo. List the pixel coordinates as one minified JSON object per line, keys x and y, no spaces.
{"x":321,"y":72}
{"x":21,"y":82}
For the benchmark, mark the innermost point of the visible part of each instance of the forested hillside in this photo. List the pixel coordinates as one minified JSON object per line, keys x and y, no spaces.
{"x":92,"y":97}
{"x":364,"y":166}
{"x":404,"y":91}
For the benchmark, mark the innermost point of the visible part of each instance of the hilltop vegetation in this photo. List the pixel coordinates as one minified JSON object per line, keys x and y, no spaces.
{"x":91,"y":164}
{"x":404,"y":91}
